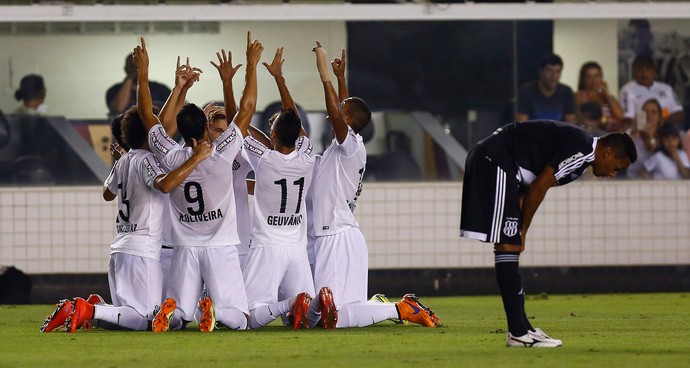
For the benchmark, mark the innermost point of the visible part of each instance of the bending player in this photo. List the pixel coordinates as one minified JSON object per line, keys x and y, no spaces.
{"x":507,"y":176}
{"x":341,"y":267}
{"x":278,"y":264}
{"x":204,"y":233}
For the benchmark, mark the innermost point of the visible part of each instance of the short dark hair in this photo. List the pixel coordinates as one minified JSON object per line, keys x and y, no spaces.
{"x":550,"y":59}
{"x":134,"y":132}
{"x":31,"y":86}
{"x":287,"y":127}
{"x":116,"y":130}
{"x":590,"y":111}
{"x":191,"y":122}
{"x":622,"y":144}
{"x":359,"y":112}
{"x":643,"y":61}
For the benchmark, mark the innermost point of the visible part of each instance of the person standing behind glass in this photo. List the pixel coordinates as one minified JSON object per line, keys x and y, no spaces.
{"x":121,"y":96}
{"x":592,"y":87}
{"x":32,"y":94}
{"x":546,"y":98}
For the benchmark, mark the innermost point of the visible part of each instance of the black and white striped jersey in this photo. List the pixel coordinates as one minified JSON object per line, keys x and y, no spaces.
{"x":532,"y":145}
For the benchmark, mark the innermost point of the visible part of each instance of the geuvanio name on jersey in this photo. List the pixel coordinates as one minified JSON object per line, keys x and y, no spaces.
{"x":129,"y":228}
{"x":284,"y":220}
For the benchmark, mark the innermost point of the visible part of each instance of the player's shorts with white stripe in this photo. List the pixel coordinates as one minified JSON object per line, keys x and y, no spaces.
{"x":490,"y":201}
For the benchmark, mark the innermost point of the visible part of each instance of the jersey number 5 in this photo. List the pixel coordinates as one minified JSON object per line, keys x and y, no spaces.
{"x":283,"y":193}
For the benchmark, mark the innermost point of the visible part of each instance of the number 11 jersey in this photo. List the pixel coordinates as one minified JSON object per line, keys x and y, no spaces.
{"x":282,"y":181}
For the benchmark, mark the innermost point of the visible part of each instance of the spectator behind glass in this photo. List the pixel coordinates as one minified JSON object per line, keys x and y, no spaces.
{"x":646,"y":139}
{"x":546,"y":98}
{"x":643,"y":87}
{"x":122,"y":96}
{"x":669,"y":161}
{"x":32,"y":94}
{"x":592,"y":87}
{"x":589,"y":118}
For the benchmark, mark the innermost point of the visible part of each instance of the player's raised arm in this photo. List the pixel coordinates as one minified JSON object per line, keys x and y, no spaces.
{"x":185,"y":76}
{"x":338,"y":65}
{"x":166,"y":183}
{"x":249,"y":94}
{"x":144,"y":104}
{"x":276,"y":70}
{"x":227,"y":72}
{"x":335,"y":116}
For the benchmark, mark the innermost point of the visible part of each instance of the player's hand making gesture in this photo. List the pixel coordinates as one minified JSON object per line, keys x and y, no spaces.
{"x":322,"y":62}
{"x":141,"y":56}
{"x":224,"y":66}
{"x":186,"y":75}
{"x":338,"y":65}
{"x":254,"y":50}
{"x":276,"y":66}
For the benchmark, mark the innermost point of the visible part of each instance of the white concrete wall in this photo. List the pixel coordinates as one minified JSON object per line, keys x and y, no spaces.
{"x":78,"y":69}
{"x":411,"y":225}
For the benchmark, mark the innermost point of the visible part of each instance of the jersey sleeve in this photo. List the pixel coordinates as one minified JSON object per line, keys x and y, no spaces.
{"x":674,"y":104}
{"x":149,"y":169}
{"x":254,"y":150}
{"x":229,"y":143}
{"x":351,"y":143}
{"x":573,"y":155}
{"x":170,"y":154}
{"x":112,"y":179}
{"x":303,"y":144}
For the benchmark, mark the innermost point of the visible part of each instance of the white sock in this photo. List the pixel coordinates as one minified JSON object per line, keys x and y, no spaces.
{"x":365,"y":314}
{"x":231,"y":318}
{"x":122,"y":316}
{"x":265,"y":314}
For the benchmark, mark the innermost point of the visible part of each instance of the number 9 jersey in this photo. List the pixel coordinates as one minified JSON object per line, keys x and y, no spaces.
{"x":202,"y":209}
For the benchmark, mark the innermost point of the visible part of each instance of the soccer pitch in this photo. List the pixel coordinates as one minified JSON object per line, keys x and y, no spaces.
{"x":621,"y":330}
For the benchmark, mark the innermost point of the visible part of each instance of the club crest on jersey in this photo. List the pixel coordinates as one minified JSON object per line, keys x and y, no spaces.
{"x":510,"y":227}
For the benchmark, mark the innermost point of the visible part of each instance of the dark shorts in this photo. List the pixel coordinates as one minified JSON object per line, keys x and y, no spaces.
{"x":490,"y":201}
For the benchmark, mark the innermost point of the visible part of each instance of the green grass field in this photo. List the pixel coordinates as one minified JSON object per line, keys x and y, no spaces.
{"x":623,"y":330}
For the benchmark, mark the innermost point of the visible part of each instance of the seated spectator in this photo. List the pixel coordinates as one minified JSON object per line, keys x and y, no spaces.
{"x":643,"y":87}
{"x":592,"y":87}
{"x":546,"y":98}
{"x":589,"y":118}
{"x":644,"y":134}
{"x":686,"y":142}
{"x":122,"y":96}
{"x":32,"y":94}
{"x":669,"y":161}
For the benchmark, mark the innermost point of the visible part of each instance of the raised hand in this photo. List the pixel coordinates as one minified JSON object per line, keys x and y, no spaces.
{"x":186,"y":75}
{"x":254,"y":49}
{"x":211,"y":109}
{"x":276,"y":67}
{"x":224,"y":66}
{"x":321,"y":62}
{"x":338,"y":65}
{"x":141,"y":56}
{"x":116,"y":151}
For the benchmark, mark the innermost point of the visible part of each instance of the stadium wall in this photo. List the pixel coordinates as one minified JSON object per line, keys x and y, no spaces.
{"x":609,"y":235}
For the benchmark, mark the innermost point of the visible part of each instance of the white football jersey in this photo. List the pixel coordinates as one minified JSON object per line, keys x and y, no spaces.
{"x":310,"y":199}
{"x":241,"y":168}
{"x":282,"y":182}
{"x":202,"y":210}
{"x":139,"y":223}
{"x":337,"y":183}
